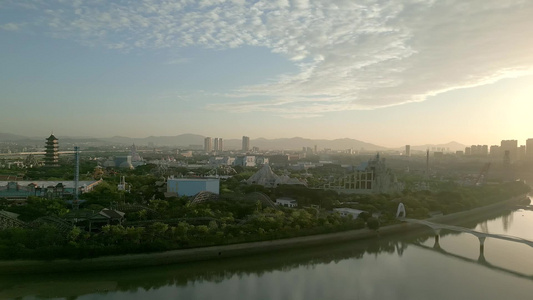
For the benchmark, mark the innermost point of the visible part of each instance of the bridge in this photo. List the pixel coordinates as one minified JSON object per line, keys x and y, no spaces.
{"x":34,"y":153}
{"x":482,"y":236}
{"x":481,"y":260}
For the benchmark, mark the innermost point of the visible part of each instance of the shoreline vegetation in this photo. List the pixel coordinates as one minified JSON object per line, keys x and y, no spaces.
{"x":241,"y":249}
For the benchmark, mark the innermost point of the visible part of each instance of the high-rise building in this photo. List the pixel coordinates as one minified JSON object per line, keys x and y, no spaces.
{"x":529,"y":149}
{"x":220,"y":145}
{"x":512,"y":147}
{"x":479,"y":150}
{"x":216,"y":144}
{"x":506,"y":157}
{"x":208,"y":144}
{"x":495,"y":152}
{"x":51,"y":152}
{"x":245,"y":144}
{"x":408,"y":150}
{"x":522,"y":153}
{"x":485,"y":150}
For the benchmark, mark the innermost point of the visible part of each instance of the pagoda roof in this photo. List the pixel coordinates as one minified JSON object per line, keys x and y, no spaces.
{"x":52,"y":137}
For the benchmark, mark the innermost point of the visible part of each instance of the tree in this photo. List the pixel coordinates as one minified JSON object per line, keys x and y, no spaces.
{"x":364,"y":216}
{"x":157,"y":230}
{"x":372,"y":223}
{"x":74,"y":233}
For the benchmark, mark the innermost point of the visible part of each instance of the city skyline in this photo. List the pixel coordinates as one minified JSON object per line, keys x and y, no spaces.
{"x":246,"y":143}
{"x":390,"y":74}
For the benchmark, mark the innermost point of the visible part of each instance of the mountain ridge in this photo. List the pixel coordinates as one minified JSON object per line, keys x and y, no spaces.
{"x":187,"y":139}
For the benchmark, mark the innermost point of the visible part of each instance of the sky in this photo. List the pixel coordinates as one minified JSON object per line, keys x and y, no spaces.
{"x":388,"y":72}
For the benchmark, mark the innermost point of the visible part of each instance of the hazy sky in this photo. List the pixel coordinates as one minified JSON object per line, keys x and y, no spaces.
{"x":382,"y":71}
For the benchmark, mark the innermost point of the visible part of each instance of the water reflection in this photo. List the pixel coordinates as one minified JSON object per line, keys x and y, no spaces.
{"x":73,"y":285}
{"x":481,"y":260}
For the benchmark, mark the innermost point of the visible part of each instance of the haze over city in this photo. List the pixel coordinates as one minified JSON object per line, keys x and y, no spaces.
{"x":266,"y":149}
{"x":384,"y":72}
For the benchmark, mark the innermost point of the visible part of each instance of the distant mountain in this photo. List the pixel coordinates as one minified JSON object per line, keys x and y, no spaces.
{"x":64,"y":140}
{"x":182,"y":140}
{"x":8,"y":137}
{"x":185,"y":140}
{"x":297,"y":143}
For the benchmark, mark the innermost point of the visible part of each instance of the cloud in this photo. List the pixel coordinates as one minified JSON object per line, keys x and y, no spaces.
{"x":10,"y":27}
{"x":351,"y":55}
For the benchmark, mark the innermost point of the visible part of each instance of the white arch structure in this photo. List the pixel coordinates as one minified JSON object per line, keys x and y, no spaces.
{"x":401,"y":211}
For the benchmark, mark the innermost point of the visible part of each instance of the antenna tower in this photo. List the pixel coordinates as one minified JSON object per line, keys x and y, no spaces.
{"x":75,"y":204}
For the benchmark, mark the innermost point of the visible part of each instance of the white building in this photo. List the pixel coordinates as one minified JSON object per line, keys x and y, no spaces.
{"x":245,"y":161}
{"x":221,"y":161}
{"x":348,"y":212}
{"x":287,"y":202}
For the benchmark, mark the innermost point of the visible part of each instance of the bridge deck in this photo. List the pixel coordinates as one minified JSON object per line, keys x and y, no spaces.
{"x":437,"y":226}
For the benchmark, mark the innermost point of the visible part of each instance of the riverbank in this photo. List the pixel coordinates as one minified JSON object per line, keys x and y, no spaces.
{"x":220,"y":252}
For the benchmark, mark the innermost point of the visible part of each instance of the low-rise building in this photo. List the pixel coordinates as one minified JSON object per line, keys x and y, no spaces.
{"x":192,"y":186}
{"x":286,"y":202}
{"x":21,"y":190}
{"x":348,"y":212}
{"x":221,"y":161}
{"x":245,"y":161}
{"x":369,"y":177}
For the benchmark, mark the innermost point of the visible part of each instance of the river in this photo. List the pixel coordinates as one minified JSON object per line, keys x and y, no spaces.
{"x":405,"y":267}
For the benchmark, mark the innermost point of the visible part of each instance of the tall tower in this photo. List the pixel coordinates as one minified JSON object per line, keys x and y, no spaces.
{"x":216,"y":144}
{"x":220,"y":144}
{"x":529,"y":149}
{"x":51,"y":152}
{"x":75,"y":203}
{"x":208,"y":144}
{"x":408,"y":150}
{"x":245,"y":144}
{"x":427,"y":163}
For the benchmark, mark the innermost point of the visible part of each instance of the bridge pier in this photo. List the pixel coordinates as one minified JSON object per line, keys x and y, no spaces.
{"x":436,"y":245}
{"x":436,"y":231}
{"x":481,"y":258}
{"x":481,"y":244}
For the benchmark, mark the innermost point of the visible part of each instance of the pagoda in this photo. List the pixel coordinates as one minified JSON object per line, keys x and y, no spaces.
{"x":51,"y":152}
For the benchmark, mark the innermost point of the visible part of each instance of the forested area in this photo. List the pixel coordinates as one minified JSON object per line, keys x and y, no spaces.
{"x":159,"y":224}
{"x":175,"y":226}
